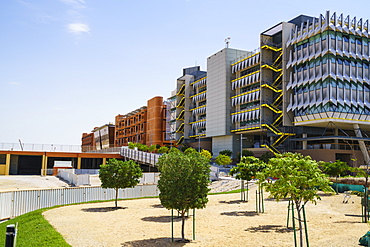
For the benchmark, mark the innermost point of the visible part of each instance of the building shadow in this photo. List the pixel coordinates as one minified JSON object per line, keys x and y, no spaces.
{"x":102,"y":210}
{"x":162,"y":219}
{"x":152,"y":242}
{"x":240,"y":213}
{"x":269,"y":228}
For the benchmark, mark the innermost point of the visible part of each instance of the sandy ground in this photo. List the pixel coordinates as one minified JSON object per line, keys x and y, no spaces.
{"x":20,"y":182}
{"x":224,"y":222}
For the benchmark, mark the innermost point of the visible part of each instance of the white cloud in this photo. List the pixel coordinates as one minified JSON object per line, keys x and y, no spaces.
{"x":14,"y":83}
{"x":78,"y":28}
{"x":79,"y":3}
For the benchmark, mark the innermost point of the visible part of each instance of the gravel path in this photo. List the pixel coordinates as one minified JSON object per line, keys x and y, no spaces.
{"x":224,"y":222}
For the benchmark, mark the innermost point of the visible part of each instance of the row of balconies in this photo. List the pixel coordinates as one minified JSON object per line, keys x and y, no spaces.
{"x":245,"y":80}
{"x":246,"y":63}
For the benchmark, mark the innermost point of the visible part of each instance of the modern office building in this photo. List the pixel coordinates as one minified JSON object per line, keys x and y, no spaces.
{"x":306,"y":89}
{"x":100,"y":138}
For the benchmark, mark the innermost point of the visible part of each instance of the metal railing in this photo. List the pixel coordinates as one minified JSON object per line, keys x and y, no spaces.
{"x":140,"y":156}
{"x":39,"y":147}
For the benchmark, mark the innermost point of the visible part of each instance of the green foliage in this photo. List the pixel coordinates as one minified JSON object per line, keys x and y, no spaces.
{"x":206,"y":154}
{"x":142,"y":147}
{"x":33,"y":230}
{"x":247,"y":169}
{"x":152,"y":148}
{"x":131,"y":145}
{"x":266,"y":157}
{"x":335,"y":169}
{"x":190,"y":150}
{"x":223,"y":160}
{"x":226,"y":152}
{"x":299,"y":179}
{"x":174,"y":150}
{"x":163,"y":150}
{"x":118,"y":174}
{"x":183,"y":182}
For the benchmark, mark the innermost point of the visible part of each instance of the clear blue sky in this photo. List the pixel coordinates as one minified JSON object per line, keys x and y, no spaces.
{"x":67,"y":66}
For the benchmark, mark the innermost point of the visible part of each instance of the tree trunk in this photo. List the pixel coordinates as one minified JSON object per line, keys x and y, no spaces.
{"x":300,"y":224}
{"x":116,"y":197}
{"x":183,"y":226}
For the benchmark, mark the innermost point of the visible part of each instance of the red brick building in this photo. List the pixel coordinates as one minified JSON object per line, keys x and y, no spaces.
{"x":146,"y":125}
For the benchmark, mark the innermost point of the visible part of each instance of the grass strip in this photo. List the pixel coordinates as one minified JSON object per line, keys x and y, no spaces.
{"x":33,"y":230}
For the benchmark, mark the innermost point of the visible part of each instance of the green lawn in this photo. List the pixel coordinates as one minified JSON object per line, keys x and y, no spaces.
{"x":33,"y":230}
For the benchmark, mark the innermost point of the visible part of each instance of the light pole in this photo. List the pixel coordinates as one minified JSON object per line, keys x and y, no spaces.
{"x":199,"y":143}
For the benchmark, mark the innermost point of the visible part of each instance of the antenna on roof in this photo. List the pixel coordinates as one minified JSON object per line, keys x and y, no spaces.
{"x":227,"y":41}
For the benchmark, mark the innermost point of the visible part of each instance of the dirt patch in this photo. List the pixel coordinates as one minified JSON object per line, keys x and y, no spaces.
{"x":145,"y":223}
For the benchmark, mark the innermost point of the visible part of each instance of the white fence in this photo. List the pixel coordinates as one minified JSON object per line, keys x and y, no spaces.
{"x":79,"y":177}
{"x":16,"y":203}
{"x":140,"y":156}
{"x":72,"y":178}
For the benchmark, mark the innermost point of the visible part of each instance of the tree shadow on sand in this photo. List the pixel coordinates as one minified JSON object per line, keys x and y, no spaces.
{"x":152,"y":242}
{"x":353,"y":215}
{"x":102,"y":210}
{"x":157,"y":206}
{"x":233,"y":202}
{"x":269,"y":228}
{"x":162,"y":219}
{"x":240,"y":213}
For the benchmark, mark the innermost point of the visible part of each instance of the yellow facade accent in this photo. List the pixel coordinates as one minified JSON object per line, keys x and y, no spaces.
{"x":44,"y":165}
{"x":79,"y":163}
{"x":7,"y":164}
{"x":2,"y":169}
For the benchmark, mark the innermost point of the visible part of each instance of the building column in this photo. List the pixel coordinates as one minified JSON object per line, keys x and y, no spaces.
{"x":104,"y":161}
{"x":7,"y":164}
{"x":78,"y":162}
{"x":44,"y":165}
{"x":336,"y":141}
{"x":304,"y":143}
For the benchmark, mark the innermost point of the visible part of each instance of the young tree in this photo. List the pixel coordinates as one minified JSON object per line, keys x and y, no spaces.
{"x":190,"y":150}
{"x":118,"y":174}
{"x":206,"y":154}
{"x":247,"y":169}
{"x":226,"y":152}
{"x":142,"y":147}
{"x":152,"y":148}
{"x":131,"y":145}
{"x":183,"y":182}
{"x":335,"y":169}
{"x":163,"y":150}
{"x":299,"y":179}
{"x":223,"y":160}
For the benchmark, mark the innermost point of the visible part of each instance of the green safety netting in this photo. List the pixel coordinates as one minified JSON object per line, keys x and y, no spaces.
{"x":346,"y":187}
